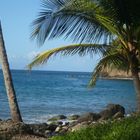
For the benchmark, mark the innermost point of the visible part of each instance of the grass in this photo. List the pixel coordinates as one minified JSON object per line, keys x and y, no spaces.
{"x":125,"y":129}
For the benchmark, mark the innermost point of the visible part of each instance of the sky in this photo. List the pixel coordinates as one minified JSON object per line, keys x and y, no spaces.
{"x":16,"y":17}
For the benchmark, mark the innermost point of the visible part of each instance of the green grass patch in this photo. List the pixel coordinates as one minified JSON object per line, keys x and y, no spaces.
{"x":125,"y":129}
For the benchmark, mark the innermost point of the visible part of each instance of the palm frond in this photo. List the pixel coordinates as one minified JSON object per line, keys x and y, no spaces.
{"x":112,"y":61}
{"x":80,"y":49}
{"x":62,"y":17}
{"x":91,"y":21}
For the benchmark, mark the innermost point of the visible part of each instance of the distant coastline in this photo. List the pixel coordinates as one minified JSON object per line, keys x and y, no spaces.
{"x":105,"y":75}
{"x":116,"y":74}
{"x":117,"y":78}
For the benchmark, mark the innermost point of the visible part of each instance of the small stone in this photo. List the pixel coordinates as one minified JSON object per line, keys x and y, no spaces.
{"x":93,"y":123}
{"x":47,"y":132}
{"x":128,"y":115}
{"x":9,"y":121}
{"x":78,"y":127}
{"x":58,"y":129}
{"x":60,"y":123}
{"x":118,"y":115}
{"x":64,"y":129}
{"x":67,"y":123}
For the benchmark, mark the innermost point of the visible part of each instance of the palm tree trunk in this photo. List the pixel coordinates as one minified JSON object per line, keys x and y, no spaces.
{"x":15,"y":113}
{"x":136,"y":81}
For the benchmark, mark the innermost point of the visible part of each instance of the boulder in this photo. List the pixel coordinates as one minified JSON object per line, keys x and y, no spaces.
{"x":58,"y":129}
{"x":73,"y":117}
{"x":39,"y":129}
{"x":52,"y":127}
{"x":111,"y":110}
{"x":64,"y":129}
{"x":56,"y":118}
{"x":116,"y":108}
{"x":78,"y":127}
{"x":11,"y":130}
{"x":43,"y":130}
{"x":89,"y":117}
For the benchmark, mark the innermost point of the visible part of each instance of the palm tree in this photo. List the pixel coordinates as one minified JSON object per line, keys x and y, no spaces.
{"x":110,"y":28}
{"x":15,"y":113}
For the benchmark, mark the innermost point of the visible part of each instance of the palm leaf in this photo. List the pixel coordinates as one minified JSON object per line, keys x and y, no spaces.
{"x":85,"y":23}
{"x":80,"y":49}
{"x":113,"y":60}
{"x":90,"y":21}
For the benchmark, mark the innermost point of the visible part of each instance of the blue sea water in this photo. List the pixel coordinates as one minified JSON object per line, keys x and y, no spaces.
{"x":42,"y":94}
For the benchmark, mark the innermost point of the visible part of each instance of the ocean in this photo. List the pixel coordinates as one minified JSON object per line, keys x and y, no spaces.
{"x":43,"y":94}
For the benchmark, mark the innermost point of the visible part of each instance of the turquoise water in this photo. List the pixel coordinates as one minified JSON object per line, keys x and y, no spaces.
{"x":44,"y":94}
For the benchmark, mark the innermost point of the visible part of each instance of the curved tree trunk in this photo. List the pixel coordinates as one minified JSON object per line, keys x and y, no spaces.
{"x":136,"y":81}
{"x":15,"y":113}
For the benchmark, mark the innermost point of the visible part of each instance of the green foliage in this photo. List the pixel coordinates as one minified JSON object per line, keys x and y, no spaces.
{"x":111,"y":28}
{"x":127,"y":129}
{"x":63,"y":18}
{"x":80,"y":49}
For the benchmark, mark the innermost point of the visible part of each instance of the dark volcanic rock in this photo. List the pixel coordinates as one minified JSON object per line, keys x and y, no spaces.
{"x":111,"y":110}
{"x":52,"y":127}
{"x":21,"y":131}
{"x":39,"y":129}
{"x":44,"y":129}
{"x":89,"y":117}
{"x":59,"y":123}
{"x":116,"y":108}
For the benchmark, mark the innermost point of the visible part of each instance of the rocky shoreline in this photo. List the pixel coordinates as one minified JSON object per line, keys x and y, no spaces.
{"x":55,"y":126}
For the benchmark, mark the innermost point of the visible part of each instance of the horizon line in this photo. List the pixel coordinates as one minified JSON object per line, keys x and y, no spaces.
{"x":48,"y":70}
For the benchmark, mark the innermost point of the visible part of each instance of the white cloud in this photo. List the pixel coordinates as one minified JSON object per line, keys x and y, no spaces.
{"x":32,"y":54}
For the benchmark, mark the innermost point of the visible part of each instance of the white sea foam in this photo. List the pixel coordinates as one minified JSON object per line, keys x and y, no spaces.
{"x":45,"y":118}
